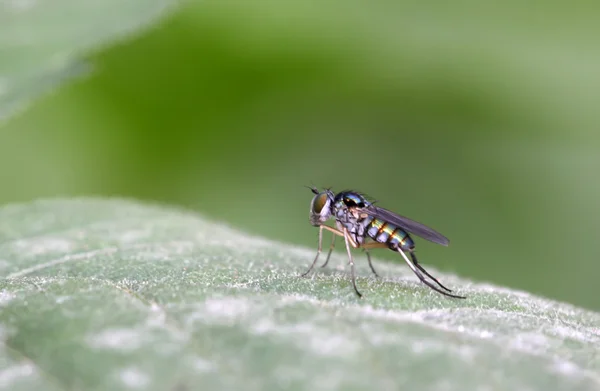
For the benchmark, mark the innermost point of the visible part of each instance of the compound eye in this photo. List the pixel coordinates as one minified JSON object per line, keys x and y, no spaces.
{"x":319,"y":202}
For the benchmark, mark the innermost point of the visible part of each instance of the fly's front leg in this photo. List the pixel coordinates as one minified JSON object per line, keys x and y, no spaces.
{"x":321,"y":227}
{"x":318,"y":252}
{"x":353,"y":243}
{"x":349,"y":241}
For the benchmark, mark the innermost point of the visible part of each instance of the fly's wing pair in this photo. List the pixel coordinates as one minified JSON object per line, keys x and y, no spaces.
{"x":406,"y":224}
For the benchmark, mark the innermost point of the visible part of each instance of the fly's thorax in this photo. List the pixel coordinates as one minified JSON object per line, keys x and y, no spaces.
{"x":339,"y":208}
{"x":351,"y":199}
{"x":352,"y":220}
{"x":343,"y":215}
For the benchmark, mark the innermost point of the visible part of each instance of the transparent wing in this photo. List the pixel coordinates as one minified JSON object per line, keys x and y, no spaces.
{"x":407,"y":224}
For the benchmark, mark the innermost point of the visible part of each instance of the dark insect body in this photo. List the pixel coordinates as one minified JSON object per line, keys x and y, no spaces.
{"x":358,"y":220}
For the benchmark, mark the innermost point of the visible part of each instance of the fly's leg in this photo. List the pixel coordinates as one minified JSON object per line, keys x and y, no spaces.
{"x":370,"y":264}
{"x":318,"y":252}
{"x":321,"y":228}
{"x":423,"y":280}
{"x":351,"y":262}
{"x":414,"y":259}
{"x":367,"y":246}
{"x":330,"y":250}
{"x":366,"y":251}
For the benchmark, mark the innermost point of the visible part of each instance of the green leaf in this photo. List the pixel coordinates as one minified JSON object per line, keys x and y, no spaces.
{"x":41,"y":41}
{"x":112,"y":294}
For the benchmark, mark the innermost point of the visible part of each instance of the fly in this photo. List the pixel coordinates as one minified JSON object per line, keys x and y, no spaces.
{"x":364,"y":225}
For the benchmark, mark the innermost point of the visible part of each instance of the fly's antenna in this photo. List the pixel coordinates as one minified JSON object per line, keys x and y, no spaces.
{"x":331,"y":192}
{"x":313,"y":189}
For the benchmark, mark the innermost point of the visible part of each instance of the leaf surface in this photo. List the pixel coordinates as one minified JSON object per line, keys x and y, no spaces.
{"x":41,"y":42}
{"x":114,"y":294}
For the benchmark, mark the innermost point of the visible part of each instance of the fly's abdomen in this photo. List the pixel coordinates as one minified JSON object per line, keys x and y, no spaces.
{"x":390,"y":234}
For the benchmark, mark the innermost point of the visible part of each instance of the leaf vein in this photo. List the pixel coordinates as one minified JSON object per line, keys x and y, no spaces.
{"x":65,"y":259}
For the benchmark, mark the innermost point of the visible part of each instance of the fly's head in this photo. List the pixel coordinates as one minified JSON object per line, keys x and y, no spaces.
{"x":320,"y":206}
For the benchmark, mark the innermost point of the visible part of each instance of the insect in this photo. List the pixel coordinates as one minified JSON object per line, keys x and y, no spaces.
{"x":364,"y":225}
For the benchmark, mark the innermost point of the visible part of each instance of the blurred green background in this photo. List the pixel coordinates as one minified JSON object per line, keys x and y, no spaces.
{"x":480,"y":120}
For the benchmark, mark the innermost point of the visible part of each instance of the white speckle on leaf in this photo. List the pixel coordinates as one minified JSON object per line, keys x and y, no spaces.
{"x":33,"y":247}
{"x":10,"y":374}
{"x":225,"y":309}
{"x":118,"y":339}
{"x":157,"y":316}
{"x":495,"y":290}
{"x":6,"y":297}
{"x":333,"y":345}
{"x":134,"y":378}
{"x":485,"y":334}
{"x":203,"y":365}
{"x":155,"y":308}
{"x":529,"y":341}
{"x":426,"y":346}
{"x":267,"y":325}
{"x":565,"y":368}
{"x":566,"y":332}
{"x":308,"y":336}
{"x":133,"y":236}
{"x":62,"y":299}
{"x":467,"y":353}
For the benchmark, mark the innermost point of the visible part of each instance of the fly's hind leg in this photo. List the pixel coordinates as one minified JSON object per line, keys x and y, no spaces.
{"x":414,"y":259}
{"x":423,"y":279}
{"x":370,"y":264}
